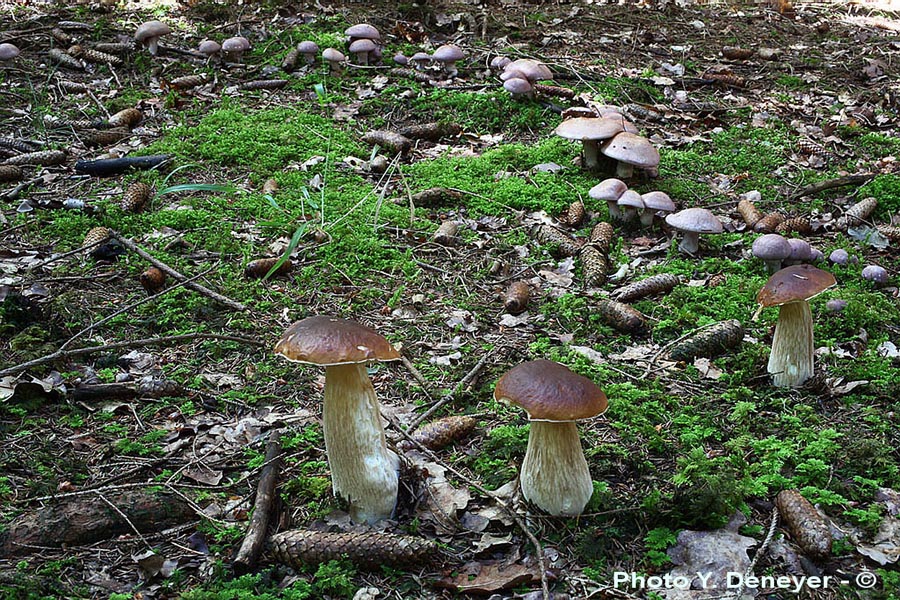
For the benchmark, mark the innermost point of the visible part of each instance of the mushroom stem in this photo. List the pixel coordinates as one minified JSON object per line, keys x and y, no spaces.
{"x":791,"y":361}
{"x":773,"y":265}
{"x":591,"y":155}
{"x":646,"y":217}
{"x":614,"y":212}
{"x":690,"y":242}
{"x":624,"y":170}
{"x":555,"y":476}
{"x":153,"y":45}
{"x":363,"y":471}
{"x":363,"y":58}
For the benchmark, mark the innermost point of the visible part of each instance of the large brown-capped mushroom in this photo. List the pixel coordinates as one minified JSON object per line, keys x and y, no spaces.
{"x":590,"y":132}
{"x":363,"y":470}
{"x":630,"y":150}
{"x":692,"y":222}
{"x":234,"y":47}
{"x":791,"y":360}
{"x":149,"y":33}
{"x":555,"y":475}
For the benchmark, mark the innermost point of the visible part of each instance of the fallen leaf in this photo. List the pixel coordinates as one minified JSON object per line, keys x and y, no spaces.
{"x":487,"y":577}
{"x":885,"y":546}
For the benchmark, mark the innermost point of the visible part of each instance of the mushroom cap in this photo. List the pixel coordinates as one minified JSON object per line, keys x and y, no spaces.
{"x":307,"y":47}
{"x":793,"y":284}
{"x":839,"y":256}
{"x":420,"y":57}
{"x":587,"y":128}
{"x":800,"y":249}
{"x":549,"y":391}
{"x":631,"y":199}
{"x":401,"y":59}
{"x":448,"y":53}
{"x":362,"y":45}
{"x":772,"y":246}
{"x":362,"y":30}
{"x":875,"y":273}
{"x":512,"y":74}
{"x":151,"y":29}
{"x":517,"y":86}
{"x":631,"y":148}
{"x":332,"y":55}
{"x":209,"y":47}
{"x":608,"y":189}
{"x":658,"y":201}
{"x":8,"y":51}
{"x":697,"y":220}
{"x":322,"y":340}
{"x":236,"y":44}
{"x":499,"y":62}
{"x":532,"y":69}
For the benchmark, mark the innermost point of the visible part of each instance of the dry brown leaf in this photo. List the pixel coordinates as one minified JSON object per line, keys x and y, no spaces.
{"x":487,"y":577}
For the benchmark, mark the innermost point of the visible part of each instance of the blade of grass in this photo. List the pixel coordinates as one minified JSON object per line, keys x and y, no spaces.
{"x":292,"y":245}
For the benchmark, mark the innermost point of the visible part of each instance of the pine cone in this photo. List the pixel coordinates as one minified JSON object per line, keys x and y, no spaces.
{"x":64,"y":60}
{"x":135,"y":197}
{"x":430,"y":131}
{"x":442,"y":432}
{"x":603,"y":235}
{"x":594,"y":265}
{"x":298,"y":548}
{"x":574,"y":215}
{"x":264,"y":84}
{"x":14,"y":144}
{"x":93,"y":56}
{"x":655,"y":284}
{"x":44,"y":158}
{"x":890,"y":232}
{"x":857,"y":213}
{"x":187,"y":82}
{"x":106,"y":137}
{"x":768,"y":223}
{"x":807,"y":527}
{"x":10,"y":173}
{"x":749,"y":212}
{"x":445,"y":235}
{"x":96,"y":235}
{"x":621,"y":316}
{"x":290,"y":60}
{"x":710,"y":342}
{"x":515,"y":299}
{"x":257,"y":269}
{"x":799,"y":225}
{"x":547,"y":234}
{"x":128,"y":117}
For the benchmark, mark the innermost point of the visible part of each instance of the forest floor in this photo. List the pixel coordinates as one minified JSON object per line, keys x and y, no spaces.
{"x":144,"y":489}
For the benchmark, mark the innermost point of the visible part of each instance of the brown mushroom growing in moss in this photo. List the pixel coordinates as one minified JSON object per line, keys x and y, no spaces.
{"x":364,"y":471}
{"x":554,"y":475}
{"x":590,"y":132}
{"x":630,"y":150}
{"x":791,"y":360}
{"x":148,"y":35}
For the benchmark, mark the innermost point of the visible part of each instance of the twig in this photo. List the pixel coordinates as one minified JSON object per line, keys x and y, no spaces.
{"x":463,"y":384}
{"x":253,"y":542}
{"x":125,"y":518}
{"x":14,"y":192}
{"x":821,"y":186}
{"x":417,"y":376}
{"x":173,"y":273}
{"x":539,"y":551}
{"x":57,"y":257}
{"x":128,"y":344}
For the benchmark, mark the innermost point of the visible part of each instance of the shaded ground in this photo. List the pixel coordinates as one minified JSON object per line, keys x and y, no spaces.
{"x":683,"y":446}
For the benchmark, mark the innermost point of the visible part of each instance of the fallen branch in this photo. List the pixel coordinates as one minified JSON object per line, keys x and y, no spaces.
{"x":128,"y":344}
{"x":14,"y":192}
{"x":821,"y":186}
{"x":254,"y":540}
{"x":539,"y":551}
{"x":462,"y":385}
{"x":128,"y":243}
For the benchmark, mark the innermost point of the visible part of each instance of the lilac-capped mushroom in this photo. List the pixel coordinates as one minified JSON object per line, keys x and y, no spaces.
{"x":692,"y":222}
{"x":308,"y":50}
{"x":773,"y":249}
{"x":609,"y":191}
{"x":875,"y":274}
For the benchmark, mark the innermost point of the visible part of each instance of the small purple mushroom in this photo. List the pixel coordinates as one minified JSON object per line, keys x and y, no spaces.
{"x":875,"y":274}
{"x":839,"y":257}
{"x":772,"y":249}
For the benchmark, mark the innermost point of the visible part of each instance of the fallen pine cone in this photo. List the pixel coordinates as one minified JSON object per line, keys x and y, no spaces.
{"x":709,"y":342}
{"x":106,"y":137}
{"x":890,"y":232}
{"x":433,"y":196}
{"x":389,"y":140}
{"x":10,"y":173}
{"x":574,"y":214}
{"x":594,"y":265}
{"x":64,"y":60}
{"x":799,"y":225}
{"x":128,"y":117}
{"x":553,"y":90}
{"x":809,"y":530}
{"x":14,"y":144}
{"x":768,"y":223}
{"x":93,"y":56}
{"x":735,"y":53}
{"x":299,"y":548}
{"x":547,"y":234}
{"x":749,"y":212}
{"x":602,"y":236}
{"x":257,"y":269}
{"x":152,"y":280}
{"x":264,"y":84}
{"x":621,"y":316}
{"x":44,"y":158}
{"x":186,"y":82}
{"x":515,"y":299}
{"x":135,"y":197}
{"x":290,"y":60}
{"x":441,"y":432}
{"x":662,"y":283}
{"x":857,"y":213}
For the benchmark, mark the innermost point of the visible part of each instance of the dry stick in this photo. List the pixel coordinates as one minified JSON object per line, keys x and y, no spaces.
{"x":129,"y":344}
{"x":119,"y":512}
{"x":463,"y":384}
{"x":173,"y":273}
{"x":828,"y":184}
{"x":417,"y":376}
{"x":14,"y":192}
{"x":57,"y":257}
{"x":539,"y":551}
{"x":252,"y":546}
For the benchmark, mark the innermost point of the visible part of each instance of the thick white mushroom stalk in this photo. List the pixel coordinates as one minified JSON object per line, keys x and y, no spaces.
{"x":791,"y":360}
{"x":555,"y":476}
{"x":363,"y":470}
